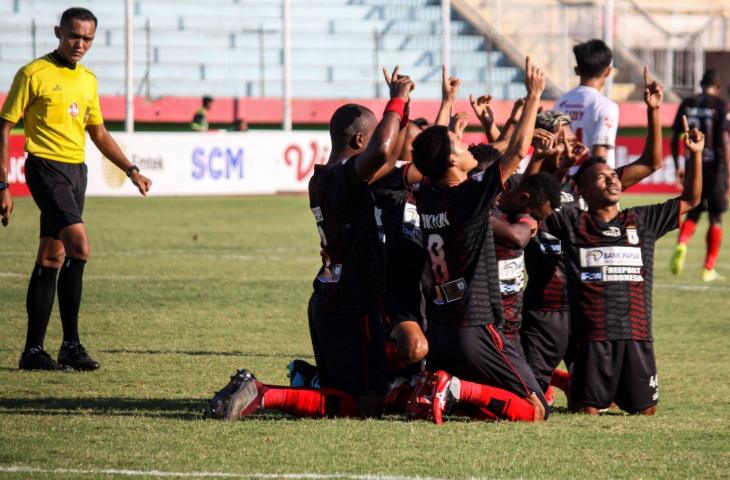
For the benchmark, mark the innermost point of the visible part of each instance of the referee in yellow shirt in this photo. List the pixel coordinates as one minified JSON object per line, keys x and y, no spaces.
{"x":58,"y":100}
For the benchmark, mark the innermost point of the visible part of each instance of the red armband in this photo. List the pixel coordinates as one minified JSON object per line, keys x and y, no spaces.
{"x":396,"y":105}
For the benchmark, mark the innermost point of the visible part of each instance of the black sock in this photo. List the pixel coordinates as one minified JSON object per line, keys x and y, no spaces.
{"x":70,"y":282}
{"x":39,"y":303}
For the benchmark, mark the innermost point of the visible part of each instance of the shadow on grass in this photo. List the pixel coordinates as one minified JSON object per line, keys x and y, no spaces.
{"x":233,"y":353}
{"x":180,"y":409}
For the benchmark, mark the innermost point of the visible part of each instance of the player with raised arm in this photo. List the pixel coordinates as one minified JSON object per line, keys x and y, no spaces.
{"x":594,"y":117}
{"x":58,"y":99}
{"x":546,"y":314}
{"x":464,"y":302}
{"x":609,"y":255}
{"x":346,"y":308}
{"x":709,"y":113}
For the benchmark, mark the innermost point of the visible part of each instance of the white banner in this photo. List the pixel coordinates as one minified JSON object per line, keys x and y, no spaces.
{"x":212,"y":163}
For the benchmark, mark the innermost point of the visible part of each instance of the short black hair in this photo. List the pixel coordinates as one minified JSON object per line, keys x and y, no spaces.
{"x":542,"y":188}
{"x":593,"y":58}
{"x":78,"y":13}
{"x":484,"y":154}
{"x":431,"y":151}
{"x":349,"y":120}
{"x":207,"y":100}
{"x":421,"y":122}
{"x":588,"y":163}
{"x":710,"y":79}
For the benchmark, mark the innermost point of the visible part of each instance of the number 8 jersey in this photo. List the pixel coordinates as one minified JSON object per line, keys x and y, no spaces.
{"x":457,"y":233}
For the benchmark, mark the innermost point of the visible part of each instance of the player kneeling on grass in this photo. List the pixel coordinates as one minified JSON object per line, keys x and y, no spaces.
{"x":345,"y":310}
{"x":609,"y":257}
{"x":464,"y":302}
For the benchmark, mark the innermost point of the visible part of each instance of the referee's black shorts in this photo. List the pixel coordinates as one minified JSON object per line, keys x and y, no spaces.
{"x":350,"y":352}
{"x":59,"y":190}
{"x":481,"y":354}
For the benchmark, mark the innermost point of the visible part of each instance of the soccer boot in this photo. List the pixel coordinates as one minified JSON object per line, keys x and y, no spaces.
{"x":217,"y":405}
{"x":247,"y":399}
{"x":35,"y":358}
{"x":711,"y":276}
{"x":399,"y":392}
{"x":419,"y":405}
{"x":550,"y":395}
{"x":302,"y":374}
{"x":445,"y":392}
{"x":73,"y":355}
{"x":680,"y":255}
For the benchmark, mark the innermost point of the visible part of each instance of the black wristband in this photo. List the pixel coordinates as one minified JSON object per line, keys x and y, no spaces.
{"x":3,"y":186}
{"x":131,"y":169}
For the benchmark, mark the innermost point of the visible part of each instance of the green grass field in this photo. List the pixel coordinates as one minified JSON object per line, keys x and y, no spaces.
{"x":181,"y":292}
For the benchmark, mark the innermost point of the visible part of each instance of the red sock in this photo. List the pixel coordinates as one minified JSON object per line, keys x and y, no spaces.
{"x":310,"y":402}
{"x":393,"y":359}
{"x":687,"y":230}
{"x":500,"y":403}
{"x":561,"y":379}
{"x":714,"y":239}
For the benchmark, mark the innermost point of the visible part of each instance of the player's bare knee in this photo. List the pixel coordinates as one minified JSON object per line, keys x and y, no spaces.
{"x":540,"y":412}
{"x":79,"y":249}
{"x":50,"y":253}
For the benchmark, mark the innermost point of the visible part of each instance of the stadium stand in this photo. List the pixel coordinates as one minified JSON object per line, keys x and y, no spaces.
{"x":234,"y":48}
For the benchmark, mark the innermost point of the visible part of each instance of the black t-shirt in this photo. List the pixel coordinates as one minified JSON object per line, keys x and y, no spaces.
{"x":405,"y":256}
{"x":511,"y":271}
{"x":460,"y":249}
{"x":709,"y":114}
{"x":609,"y":268}
{"x":350,"y":281}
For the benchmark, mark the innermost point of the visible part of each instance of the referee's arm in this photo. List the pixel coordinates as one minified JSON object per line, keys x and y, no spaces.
{"x":109,"y":148}
{"x":6,"y":200}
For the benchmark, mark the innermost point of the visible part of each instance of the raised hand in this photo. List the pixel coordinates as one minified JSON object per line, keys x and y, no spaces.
{"x":400,"y":86}
{"x":482,"y":109}
{"x":534,"y":79}
{"x":458,"y":123}
{"x":653,"y":91}
{"x":449,"y":86}
{"x":6,"y":206}
{"x":694,"y":140}
{"x":516,"y":112}
{"x":545,"y":143}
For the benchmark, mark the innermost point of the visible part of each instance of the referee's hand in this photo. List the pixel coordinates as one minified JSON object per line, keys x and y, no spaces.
{"x":141,"y":182}
{"x":6,"y":206}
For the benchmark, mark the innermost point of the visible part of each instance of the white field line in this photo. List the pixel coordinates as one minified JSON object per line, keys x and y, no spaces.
{"x":158,"y":473}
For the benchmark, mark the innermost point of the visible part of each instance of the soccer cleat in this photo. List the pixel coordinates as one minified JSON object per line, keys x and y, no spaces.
{"x":445,"y":392}
{"x":711,"y":276}
{"x":399,"y":393}
{"x":419,"y":405}
{"x":302,"y":374}
{"x":217,"y":406}
{"x":73,"y":355}
{"x":247,"y":399}
{"x":680,"y":255}
{"x":35,"y":358}
{"x":550,"y":395}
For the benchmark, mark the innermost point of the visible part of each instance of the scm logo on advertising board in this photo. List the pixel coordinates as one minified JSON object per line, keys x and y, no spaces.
{"x":218,"y":163}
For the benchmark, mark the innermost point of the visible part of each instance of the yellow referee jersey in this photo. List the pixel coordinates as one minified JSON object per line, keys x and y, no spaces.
{"x":56,"y":103}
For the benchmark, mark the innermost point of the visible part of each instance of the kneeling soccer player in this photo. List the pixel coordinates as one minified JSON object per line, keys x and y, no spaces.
{"x":345,"y":320}
{"x":465,"y":301}
{"x":609,"y":257}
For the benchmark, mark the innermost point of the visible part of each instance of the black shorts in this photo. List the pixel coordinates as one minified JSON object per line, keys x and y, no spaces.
{"x":481,"y":354}
{"x":545,"y":338}
{"x":621,"y":371}
{"x":59,"y":190}
{"x":350,"y":352}
{"x":714,"y":192}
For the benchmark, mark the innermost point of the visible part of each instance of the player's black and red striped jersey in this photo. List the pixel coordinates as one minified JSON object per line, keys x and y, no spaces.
{"x":405,"y":256}
{"x":511,"y":271}
{"x":609,"y":268}
{"x":460,"y":250}
{"x":351,"y":278}
{"x":546,"y":288}
{"x":709,"y":114}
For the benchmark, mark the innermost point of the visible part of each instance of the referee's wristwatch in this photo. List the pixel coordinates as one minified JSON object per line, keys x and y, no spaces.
{"x":3,"y":186}
{"x":133,"y":168}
